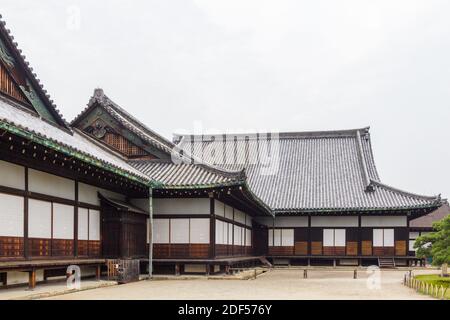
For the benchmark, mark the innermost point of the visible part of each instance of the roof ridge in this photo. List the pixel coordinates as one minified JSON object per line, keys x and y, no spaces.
{"x":99,"y":93}
{"x":38,"y":86}
{"x":281,"y":135}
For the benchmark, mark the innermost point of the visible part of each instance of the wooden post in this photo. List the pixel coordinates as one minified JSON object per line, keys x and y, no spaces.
{"x":227,"y":269}
{"x":150,"y":244}
{"x":32,"y":279}
{"x":177,"y":269}
{"x":355,"y":274}
{"x":98,"y":272}
{"x":305,"y":274}
{"x":212,"y":228}
{"x":4,"y":278}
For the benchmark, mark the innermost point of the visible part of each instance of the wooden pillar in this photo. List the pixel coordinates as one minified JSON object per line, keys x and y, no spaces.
{"x":150,"y":244}
{"x":98,"y":272}
{"x":177,"y":269}
{"x":75,"y":224}
{"x":4,"y":278}
{"x":309,"y":238}
{"x":26,"y":245}
{"x":212,"y":228}
{"x":32,"y":279}
{"x":359,"y":236}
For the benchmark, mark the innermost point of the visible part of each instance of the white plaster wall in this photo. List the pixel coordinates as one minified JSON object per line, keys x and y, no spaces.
{"x":287,"y":237}
{"x":142,"y":203}
{"x":248,"y":237}
{"x":89,"y":194}
{"x":11,"y":216}
{"x":188,"y":206}
{"x":83,"y":223}
{"x":384,"y":221}
{"x":45,"y":183}
{"x":179,"y":231}
{"x":199,"y":232}
{"x":266,"y":221}
{"x":334,"y":221}
{"x":39,"y":219}
{"x":161,"y":230}
{"x":94,"y":224}
{"x":12,"y":175}
{"x":239,"y":216}
{"x":22,"y":277}
{"x":63,"y":221}
{"x":229,"y":212}
{"x":219,"y":208}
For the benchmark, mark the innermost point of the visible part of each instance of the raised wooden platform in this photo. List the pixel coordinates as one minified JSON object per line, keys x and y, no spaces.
{"x":31,"y":266}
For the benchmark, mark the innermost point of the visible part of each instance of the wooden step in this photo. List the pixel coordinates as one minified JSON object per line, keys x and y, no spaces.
{"x":265,"y":262}
{"x":386,"y":262}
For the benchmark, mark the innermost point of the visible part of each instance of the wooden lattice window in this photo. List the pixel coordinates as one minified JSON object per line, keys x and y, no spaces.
{"x":123,"y":145}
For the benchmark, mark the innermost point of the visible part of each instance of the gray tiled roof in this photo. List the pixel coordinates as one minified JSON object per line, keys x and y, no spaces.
{"x":311,"y":171}
{"x":186,"y":175}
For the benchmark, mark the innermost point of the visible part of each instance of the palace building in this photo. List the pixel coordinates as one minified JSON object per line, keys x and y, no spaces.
{"x":105,"y":186}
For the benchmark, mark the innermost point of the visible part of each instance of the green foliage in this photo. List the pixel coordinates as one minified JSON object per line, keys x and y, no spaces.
{"x":435,"y":244}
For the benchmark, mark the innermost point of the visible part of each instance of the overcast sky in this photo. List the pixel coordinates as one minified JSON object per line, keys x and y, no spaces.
{"x":258,"y":65}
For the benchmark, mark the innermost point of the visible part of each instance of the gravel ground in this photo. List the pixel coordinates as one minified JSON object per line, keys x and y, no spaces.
{"x":283,"y":284}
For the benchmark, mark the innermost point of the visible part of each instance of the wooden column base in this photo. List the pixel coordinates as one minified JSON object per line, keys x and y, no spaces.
{"x":4,"y":278}
{"x":32,"y":279}
{"x":98,"y":272}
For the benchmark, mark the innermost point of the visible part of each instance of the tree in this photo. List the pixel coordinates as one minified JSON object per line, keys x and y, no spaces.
{"x":436,"y":244}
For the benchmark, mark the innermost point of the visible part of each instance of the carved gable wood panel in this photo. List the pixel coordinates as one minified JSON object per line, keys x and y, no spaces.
{"x":103,"y":132}
{"x":9,"y":87}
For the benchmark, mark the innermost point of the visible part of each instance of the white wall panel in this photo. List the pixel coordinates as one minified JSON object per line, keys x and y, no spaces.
{"x":277,"y":237}
{"x":378,"y":237}
{"x":12,"y":175}
{"x":179,"y":231}
{"x":237,"y":236}
{"x":188,"y":206}
{"x":411,"y":245}
{"x":291,"y":222}
{"x":266,"y":221}
{"x":94,"y":225}
{"x":220,"y":232}
{"x":334,"y":221}
{"x":230,"y":233}
{"x":11,"y":216}
{"x":142,"y":204}
{"x":39,"y":219}
{"x":228,"y":212}
{"x":200,"y":231}
{"x":414,"y":234}
{"x":287,"y":237}
{"x":239,"y":216}
{"x":383,"y":221}
{"x":63,"y":221}
{"x":328,"y":237}
{"x":248,"y":237}
{"x":219,"y":208}
{"x":161,"y":230}
{"x":270,"y":237}
{"x":45,"y":183}
{"x":339,"y":238}
{"x":83,"y":223}
{"x":388,"y":237}
{"x":89,"y":194}
{"x":248,"y":220}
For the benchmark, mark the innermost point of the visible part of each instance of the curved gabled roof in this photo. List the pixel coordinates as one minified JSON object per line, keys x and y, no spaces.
{"x":307,"y":171}
{"x":21,"y":62}
{"x":126,"y":119}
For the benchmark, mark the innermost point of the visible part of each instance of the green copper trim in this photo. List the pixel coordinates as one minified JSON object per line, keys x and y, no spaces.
{"x":72,"y":153}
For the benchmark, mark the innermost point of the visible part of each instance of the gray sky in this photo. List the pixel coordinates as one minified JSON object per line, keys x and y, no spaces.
{"x":258,"y":65}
